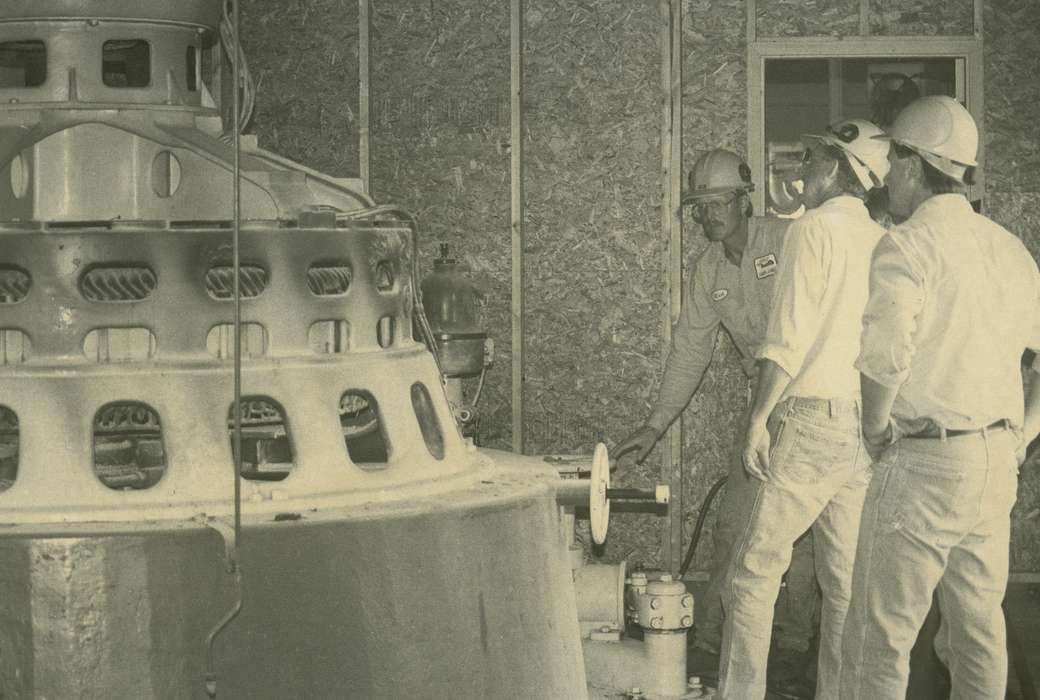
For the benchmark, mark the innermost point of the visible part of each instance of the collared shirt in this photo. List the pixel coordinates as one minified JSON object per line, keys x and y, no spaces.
{"x":821,"y":289}
{"x":720,"y":292}
{"x":954,"y":302}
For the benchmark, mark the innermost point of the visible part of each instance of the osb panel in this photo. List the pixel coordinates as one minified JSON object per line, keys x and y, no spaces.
{"x":1020,"y":213}
{"x":440,"y":147}
{"x":714,"y":116}
{"x":921,"y":17}
{"x":593,"y":238}
{"x":1013,"y":192}
{"x":807,"y":18}
{"x":1012,"y":63}
{"x":303,"y":58}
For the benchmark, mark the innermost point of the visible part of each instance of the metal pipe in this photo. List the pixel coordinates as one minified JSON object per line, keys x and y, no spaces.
{"x":231,"y":548}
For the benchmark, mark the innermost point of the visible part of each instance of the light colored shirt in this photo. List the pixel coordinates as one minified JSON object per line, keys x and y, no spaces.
{"x":821,"y":288}
{"x":720,"y":293}
{"x":954,"y":302}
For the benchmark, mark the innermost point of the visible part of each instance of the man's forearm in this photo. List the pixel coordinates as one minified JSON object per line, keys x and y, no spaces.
{"x":1031,"y":424}
{"x":772,"y":382}
{"x":877,"y":405}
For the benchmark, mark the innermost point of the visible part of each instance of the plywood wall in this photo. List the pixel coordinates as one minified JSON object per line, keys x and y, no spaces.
{"x":440,"y":147}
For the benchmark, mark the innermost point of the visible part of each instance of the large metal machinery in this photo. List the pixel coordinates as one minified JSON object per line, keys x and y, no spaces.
{"x":373,"y":553}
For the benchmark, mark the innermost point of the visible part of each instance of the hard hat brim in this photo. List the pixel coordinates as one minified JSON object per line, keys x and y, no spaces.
{"x":714,"y":192}
{"x":862,"y":171}
{"x":917,"y":149}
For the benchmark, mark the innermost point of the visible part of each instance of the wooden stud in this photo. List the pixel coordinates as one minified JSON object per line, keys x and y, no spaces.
{"x":671,"y":227}
{"x":364,"y":88}
{"x":516,"y":76}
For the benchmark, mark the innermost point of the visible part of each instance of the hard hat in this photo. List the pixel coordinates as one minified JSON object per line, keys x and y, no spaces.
{"x":941,"y":131}
{"x":867,"y":155}
{"x":717,"y":172}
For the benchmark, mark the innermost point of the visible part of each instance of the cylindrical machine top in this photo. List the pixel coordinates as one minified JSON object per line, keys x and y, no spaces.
{"x":203,"y":13}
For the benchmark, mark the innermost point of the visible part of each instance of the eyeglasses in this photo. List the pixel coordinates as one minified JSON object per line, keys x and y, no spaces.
{"x":701,"y":209}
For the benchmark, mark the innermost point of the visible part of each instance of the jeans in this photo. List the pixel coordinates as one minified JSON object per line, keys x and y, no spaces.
{"x":937,"y":517}
{"x":796,"y":609}
{"x":818,"y":478}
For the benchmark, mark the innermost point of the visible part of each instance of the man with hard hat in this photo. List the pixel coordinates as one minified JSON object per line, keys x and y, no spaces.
{"x":803,"y":443}
{"x":732,"y":287}
{"x":954,"y":302}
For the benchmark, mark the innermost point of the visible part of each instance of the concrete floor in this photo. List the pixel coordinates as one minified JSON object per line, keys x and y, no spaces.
{"x":927,"y":676}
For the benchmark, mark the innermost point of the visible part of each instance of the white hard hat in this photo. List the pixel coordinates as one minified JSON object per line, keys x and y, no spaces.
{"x":718,"y":172}
{"x":867,"y":155}
{"x":941,"y":130}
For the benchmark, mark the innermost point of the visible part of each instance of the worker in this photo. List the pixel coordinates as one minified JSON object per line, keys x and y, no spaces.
{"x":803,"y":443}
{"x":731,"y":287}
{"x":954,"y":302}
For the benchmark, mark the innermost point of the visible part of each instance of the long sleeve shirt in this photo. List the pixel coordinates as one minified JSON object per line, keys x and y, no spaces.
{"x":720,"y":293}
{"x":821,"y":289}
{"x":954,"y":302}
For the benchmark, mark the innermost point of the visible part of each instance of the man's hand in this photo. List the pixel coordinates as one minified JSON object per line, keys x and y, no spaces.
{"x":877,"y":438}
{"x":756,"y":450}
{"x":642,"y":441}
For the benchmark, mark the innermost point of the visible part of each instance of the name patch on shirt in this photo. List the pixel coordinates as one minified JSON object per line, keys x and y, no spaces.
{"x":765,"y":266}
{"x":719,"y":294}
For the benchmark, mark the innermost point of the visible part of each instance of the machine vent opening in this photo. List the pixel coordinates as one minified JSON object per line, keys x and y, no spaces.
{"x":192,"y":68}
{"x":166,"y":174}
{"x":220,"y":281}
{"x":220,"y":341}
{"x":15,"y":347}
{"x":126,"y":63}
{"x":428,"y":423}
{"x":105,"y":345}
{"x":14,"y":284}
{"x":329,"y":279}
{"x":128,"y":446}
{"x":23,"y":64}
{"x":385,"y":276}
{"x":8,"y":448}
{"x":329,"y":337}
{"x":363,"y":429}
{"x":118,"y":283}
{"x":385,"y":331}
{"x":267,"y":453}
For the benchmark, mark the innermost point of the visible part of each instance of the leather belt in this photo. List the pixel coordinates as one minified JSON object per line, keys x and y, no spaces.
{"x":934,"y":432}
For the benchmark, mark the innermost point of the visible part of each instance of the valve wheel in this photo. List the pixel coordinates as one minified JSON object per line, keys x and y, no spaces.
{"x":599,"y":504}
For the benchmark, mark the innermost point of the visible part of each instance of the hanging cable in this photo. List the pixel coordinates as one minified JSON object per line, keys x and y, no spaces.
{"x":232,"y":546}
{"x":245,"y":90}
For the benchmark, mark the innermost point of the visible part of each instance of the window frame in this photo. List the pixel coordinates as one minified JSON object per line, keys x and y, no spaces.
{"x":879,"y":47}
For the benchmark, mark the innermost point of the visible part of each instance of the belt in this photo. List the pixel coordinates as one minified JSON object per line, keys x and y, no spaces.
{"x":935,"y":432}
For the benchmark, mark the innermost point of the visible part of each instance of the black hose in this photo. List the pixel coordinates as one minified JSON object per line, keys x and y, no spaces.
{"x":696,"y":537}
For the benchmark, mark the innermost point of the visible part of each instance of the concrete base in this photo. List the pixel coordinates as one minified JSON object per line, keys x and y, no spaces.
{"x":466,"y":597}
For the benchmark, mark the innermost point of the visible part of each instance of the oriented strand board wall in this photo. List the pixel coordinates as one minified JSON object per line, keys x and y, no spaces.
{"x":440,"y":140}
{"x":1013,"y":191}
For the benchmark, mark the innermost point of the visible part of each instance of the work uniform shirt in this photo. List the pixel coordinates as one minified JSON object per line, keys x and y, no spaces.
{"x":821,"y":289}
{"x":720,"y":292}
{"x":954,"y":301}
